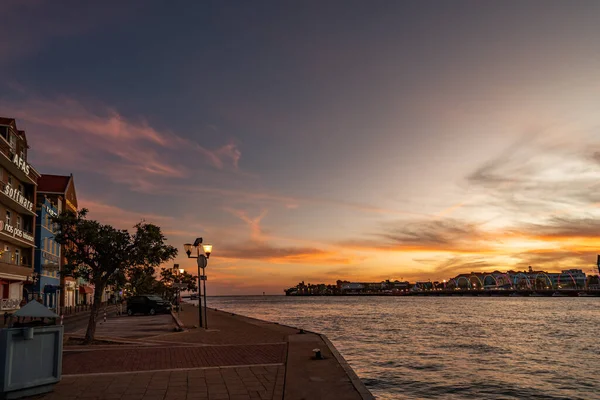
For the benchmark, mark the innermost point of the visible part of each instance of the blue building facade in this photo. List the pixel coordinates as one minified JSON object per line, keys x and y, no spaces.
{"x":47,"y":254}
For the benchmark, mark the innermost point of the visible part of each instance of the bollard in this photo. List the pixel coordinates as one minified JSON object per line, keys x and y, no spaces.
{"x":318,"y":354}
{"x":61,"y":318}
{"x":104,"y":316}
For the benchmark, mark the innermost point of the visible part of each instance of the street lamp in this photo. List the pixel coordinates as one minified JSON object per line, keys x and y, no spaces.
{"x":178,"y":272}
{"x":202,"y":252}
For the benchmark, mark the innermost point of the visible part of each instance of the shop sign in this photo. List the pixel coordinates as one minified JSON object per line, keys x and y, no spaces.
{"x":18,"y":197}
{"x":15,"y":232}
{"x":22,"y":164}
{"x":50,"y":211}
{"x":50,"y":257}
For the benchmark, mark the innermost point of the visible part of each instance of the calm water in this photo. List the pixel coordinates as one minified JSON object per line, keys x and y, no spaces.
{"x":451,"y":347}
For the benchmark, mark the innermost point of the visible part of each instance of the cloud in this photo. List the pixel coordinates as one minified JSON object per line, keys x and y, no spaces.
{"x":119,"y":217}
{"x":426,"y":235}
{"x":128,"y":151}
{"x":281,"y":254}
{"x":218,"y":157}
{"x":565,"y":227}
{"x":443,"y":233}
{"x":539,"y":174}
{"x":253,"y":223}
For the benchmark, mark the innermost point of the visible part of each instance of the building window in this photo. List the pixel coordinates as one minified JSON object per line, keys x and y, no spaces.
{"x":13,"y":141}
{"x":18,"y":222}
{"x":17,"y":257}
{"x":20,"y":188}
{"x":8,"y":215}
{"x":10,"y":180}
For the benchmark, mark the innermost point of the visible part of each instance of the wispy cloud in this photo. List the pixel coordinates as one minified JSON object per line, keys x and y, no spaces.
{"x":119,"y":217}
{"x":253,"y":223}
{"x":128,"y":151}
{"x":282,"y":254}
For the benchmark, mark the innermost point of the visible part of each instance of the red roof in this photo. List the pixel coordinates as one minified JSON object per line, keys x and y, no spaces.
{"x":6,"y":121}
{"x":53,"y":183}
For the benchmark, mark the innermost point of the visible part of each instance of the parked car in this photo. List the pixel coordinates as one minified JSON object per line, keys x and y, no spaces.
{"x":150,"y":304}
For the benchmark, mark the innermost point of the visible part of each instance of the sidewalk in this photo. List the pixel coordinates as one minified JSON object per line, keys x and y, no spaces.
{"x":236,"y":358}
{"x":73,"y":313}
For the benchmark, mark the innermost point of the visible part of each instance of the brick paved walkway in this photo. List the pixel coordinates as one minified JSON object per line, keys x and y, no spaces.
{"x":151,"y":358}
{"x":242,"y":383}
{"x":238,"y":358}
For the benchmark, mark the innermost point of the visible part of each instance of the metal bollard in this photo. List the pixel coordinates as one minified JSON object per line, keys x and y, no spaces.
{"x":61,"y":318}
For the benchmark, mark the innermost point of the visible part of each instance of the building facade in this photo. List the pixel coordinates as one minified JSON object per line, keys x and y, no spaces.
{"x":47,"y":253}
{"x":60,"y":190}
{"x":18,"y":184}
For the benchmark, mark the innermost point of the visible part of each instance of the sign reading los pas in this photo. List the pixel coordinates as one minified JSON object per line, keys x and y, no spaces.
{"x":15,"y":232}
{"x":18,"y":197}
{"x":22,"y":164}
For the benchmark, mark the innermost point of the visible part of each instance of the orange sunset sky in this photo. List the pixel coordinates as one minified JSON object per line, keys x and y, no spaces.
{"x":315,"y":142}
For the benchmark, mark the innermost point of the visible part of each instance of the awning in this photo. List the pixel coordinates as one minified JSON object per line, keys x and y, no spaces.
{"x":51,"y":288}
{"x":83,"y":289}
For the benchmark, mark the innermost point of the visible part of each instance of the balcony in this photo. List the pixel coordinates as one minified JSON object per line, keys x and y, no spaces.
{"x":11,"y":270}
{"x":9,"y":304}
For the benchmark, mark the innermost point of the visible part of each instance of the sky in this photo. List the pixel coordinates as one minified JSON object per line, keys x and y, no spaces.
{"x":315,"y":141}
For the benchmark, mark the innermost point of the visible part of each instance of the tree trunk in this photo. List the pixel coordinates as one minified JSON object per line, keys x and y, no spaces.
{"x":91,"y":328}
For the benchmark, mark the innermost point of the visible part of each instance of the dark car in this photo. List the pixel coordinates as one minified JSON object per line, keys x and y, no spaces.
{"x":150,"y":304}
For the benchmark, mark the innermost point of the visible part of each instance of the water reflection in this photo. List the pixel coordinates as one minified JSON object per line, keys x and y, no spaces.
{"x":451,"y":347}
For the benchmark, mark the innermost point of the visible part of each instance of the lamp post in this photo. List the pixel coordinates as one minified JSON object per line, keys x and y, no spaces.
{"x":178,"y":272}
{"x":202,"y":254}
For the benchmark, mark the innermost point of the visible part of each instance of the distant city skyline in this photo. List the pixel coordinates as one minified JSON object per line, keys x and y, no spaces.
{"x":321,"y":140}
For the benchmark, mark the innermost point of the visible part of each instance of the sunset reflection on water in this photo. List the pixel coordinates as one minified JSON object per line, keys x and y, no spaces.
{"x":451,"y":347}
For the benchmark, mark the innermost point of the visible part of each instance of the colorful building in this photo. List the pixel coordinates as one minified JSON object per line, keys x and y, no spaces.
{"x":18,"y":184}
{"x":47,"y":252}
{"x":60,"y":190}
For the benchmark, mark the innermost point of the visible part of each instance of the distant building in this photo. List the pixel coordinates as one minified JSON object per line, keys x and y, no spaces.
{"x":352,"y":287}
{"x":530,"y":279}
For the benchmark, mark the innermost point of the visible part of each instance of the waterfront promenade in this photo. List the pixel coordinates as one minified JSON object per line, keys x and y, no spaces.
{"x":237,"y":358}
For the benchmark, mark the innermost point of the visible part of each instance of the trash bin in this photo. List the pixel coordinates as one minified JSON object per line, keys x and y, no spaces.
{"x":30,"y":354}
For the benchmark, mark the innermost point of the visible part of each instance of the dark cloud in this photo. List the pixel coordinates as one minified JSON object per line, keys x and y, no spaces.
{"x":557,"y":260}
{"x":559,"y":227}
{"x":255,"y":250}
{"x":442,"y":234}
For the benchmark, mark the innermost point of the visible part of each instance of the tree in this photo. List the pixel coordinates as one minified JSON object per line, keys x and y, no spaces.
{"x":105,"y":256}
{"x":168,"y":278}
{"x":141,"y":280}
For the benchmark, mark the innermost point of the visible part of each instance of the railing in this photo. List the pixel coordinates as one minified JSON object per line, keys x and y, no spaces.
{"x":9,"y":304}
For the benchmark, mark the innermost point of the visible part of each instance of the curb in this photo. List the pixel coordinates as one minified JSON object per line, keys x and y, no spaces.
{"x":360,"y":387}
